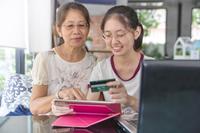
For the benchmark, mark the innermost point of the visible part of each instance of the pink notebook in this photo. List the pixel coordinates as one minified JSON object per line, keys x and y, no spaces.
{"x":87,"y":113}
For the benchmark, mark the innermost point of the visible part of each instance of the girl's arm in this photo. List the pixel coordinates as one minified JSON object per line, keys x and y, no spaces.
{"x":133,"y":102}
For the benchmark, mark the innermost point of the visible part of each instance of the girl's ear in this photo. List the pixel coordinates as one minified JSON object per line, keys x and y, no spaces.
{"x":137,"y":32}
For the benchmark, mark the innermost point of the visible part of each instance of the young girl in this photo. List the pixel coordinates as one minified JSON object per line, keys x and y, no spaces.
{"x":123,"y":34}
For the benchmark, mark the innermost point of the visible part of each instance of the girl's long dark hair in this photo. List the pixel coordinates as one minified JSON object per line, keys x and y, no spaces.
{"x":127,"y":16}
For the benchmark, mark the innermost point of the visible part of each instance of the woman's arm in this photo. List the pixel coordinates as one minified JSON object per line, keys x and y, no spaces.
{"x":40,"y":103}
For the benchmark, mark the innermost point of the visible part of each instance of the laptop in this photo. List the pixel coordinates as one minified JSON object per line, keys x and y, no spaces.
{"x":170,"y":97}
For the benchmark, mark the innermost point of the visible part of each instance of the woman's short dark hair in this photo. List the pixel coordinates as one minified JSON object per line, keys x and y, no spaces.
{"x":64,"y":9}
{"x":61,"y":15}
{"x":128,"y":17}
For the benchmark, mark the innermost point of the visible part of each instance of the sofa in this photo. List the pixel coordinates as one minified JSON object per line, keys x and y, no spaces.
{"x":15,"y":97}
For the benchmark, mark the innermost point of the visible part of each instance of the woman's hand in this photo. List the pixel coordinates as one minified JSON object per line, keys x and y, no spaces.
{"x":72,"y":94}
{"x":60,"y":109}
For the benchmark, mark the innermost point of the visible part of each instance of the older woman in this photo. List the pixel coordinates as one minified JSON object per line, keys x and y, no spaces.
{"x":64,"y":71}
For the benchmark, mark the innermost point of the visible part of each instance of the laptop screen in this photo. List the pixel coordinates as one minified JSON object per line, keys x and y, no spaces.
{"x":170,"y":97}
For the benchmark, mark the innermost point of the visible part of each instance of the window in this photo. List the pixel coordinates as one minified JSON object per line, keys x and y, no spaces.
{"x":153,"y":16}
{"x":29,"y":58}
{"x":195,"y":24}
{"x":7,"y":64}
{"x":154,"y":23}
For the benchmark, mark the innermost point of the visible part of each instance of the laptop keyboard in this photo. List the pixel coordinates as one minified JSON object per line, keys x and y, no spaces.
{"x":133,"y":123}
{"x":127,"y":123}
{"x":124,"y":126}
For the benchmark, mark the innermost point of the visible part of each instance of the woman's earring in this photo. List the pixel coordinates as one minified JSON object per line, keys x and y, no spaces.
{"x":61,"y":40}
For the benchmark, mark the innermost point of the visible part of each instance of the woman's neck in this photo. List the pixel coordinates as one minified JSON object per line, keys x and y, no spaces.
{"x":70,"y":54}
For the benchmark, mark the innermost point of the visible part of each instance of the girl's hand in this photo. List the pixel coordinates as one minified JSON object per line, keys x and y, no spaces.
{"x":118,"y":92}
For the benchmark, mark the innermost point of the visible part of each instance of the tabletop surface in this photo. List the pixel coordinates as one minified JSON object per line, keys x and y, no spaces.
{"x":24,"y":125}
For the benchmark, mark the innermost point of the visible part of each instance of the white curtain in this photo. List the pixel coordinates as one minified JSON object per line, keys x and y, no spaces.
{"x":26,"y":24}
{"x":40,"y":18}
{"x":12,"y":24}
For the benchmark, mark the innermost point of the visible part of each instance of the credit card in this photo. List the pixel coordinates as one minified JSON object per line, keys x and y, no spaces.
{"x":100,"y":85}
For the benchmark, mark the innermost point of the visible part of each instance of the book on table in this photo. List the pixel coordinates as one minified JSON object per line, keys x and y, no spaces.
{"x":86,"y":113}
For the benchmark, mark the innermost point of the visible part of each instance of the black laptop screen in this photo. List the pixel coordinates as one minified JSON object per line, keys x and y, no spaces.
{"x":170,"y":97}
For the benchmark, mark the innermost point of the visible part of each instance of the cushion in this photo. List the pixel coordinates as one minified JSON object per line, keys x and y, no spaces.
{"x":16,"y":95}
